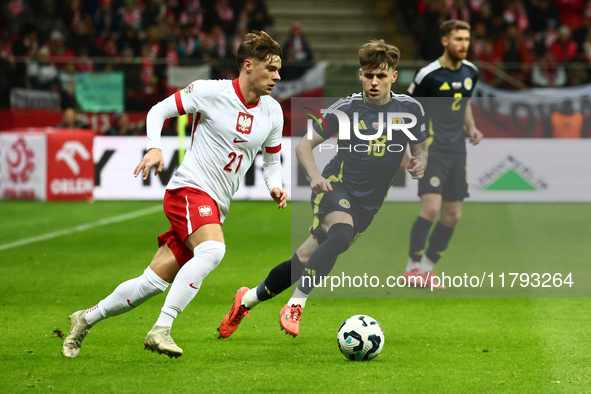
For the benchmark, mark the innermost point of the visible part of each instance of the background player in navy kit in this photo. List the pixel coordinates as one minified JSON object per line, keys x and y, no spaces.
{"x":350,"y":190}
{"x":444,"y":87}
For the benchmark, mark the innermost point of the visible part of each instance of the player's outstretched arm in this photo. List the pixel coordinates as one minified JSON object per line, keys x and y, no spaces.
{"x":153,"y":157}
{"x":306,"y":159}
{"x":280,"y":197}
{"x":418,"y":161}
{"x":474,"y":134}
{"x":165,"y":109}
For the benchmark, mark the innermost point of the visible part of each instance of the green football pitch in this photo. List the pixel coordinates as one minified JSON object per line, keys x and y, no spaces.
{"x":56,"y":258}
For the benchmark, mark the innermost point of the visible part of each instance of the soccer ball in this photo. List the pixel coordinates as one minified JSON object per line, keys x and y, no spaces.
{"x":360,"y":338}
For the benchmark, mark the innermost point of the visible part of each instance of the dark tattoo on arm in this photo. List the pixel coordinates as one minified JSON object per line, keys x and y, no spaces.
{"x":419,"y":151}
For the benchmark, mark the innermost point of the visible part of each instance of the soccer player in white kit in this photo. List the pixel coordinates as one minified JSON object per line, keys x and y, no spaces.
{"x":232,"y":120}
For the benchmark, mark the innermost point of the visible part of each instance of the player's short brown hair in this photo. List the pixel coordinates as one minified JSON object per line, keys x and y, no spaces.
{"x":376,"y":53}
{"x":447,"y":27}
{"x":258,"y":45}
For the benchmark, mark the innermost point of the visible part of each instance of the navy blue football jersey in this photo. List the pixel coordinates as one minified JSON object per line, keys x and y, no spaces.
{"x":444,"y":94}
{"x":367,"y":168}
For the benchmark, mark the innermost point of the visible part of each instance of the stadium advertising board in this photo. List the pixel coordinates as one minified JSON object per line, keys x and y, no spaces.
{"x":527,"y":170}
{"x":46,"y":165}
{"x":70,"y":174}
{"x":23,"y":166}
{"x":116,"y":158}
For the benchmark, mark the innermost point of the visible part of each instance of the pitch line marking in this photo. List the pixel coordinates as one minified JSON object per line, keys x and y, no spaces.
{"x":82,"y":227}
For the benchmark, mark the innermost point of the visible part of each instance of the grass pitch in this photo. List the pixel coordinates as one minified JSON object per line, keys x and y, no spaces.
{"x":459,"y":345}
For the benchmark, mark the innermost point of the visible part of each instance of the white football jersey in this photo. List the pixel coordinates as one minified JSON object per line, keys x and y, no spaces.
{"x":227,"y":135}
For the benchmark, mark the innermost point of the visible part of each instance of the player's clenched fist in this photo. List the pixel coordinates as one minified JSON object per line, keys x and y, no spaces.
{"x":415,"y":168}
{"x":320,"y":185}
{"x":152,"y":158}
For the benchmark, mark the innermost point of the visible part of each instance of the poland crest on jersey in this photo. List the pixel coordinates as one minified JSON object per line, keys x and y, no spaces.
{"x":244,"y":123}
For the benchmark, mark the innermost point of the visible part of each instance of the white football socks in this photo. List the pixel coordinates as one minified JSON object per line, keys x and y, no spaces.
{"x":127,"y":296}
{"x":250,"y":299}
{"x":185,"y":286}
{"x":411,"y":265}
{"x":426,"y":265}
{"x":298,"y":298}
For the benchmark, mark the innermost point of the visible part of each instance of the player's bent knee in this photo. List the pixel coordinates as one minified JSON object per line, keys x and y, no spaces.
{"x":430,"y":213}
{"x":341,"y":235}
{"x":450,"y":220}
{"x":211,"y":253}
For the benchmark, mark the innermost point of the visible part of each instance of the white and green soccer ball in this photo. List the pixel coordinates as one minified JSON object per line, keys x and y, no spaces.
{"x":360,"y":338}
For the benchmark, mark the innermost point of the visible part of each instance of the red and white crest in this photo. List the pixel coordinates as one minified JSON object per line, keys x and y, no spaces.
{"x":244,"y":123}
{"x":205,"y":210}
{"x":20,"y":161}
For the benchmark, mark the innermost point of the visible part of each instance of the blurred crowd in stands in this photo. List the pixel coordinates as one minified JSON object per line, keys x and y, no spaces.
{"x":44,"y":43}
{"x":538,"y":43}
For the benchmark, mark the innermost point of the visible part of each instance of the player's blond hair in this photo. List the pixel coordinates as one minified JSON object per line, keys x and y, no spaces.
{"x":447,"y":27}
{"x":376,"y":53}
{"x":258,"y":45}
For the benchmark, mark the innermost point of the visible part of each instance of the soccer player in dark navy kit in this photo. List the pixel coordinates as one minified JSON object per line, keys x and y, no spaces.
{"x":352,"y":187}
{"x":444,"y":87}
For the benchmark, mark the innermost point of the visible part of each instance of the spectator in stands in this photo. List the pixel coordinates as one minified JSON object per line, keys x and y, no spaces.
{"x":81,"y":37}
{"x":207,"y":51}
{"x":514,"y":13}
{"x":297,"y":54}
{"x":547,"y":37}
{"x":223,"y":16}
{"x":109,"y":48}
{"x":72,"y":14}
{"x":172,"y":55}
{"x":67,"y":78}
{"x":48,"y":21}
{"x":192,"y":15}
{"x":255,"y":14}
{"x":540,"y":13}
{"x":238,"y":38}
{"x":189,"y":41}
{"x":17,"y":14}
{"x":570,"y":12}
{"x":130,"y":15}
{"x":25,"y":46}
{"x":565,"y":48}
{"x":434,"y":15}
{"x":511,"y":47}
{"x":477,"y":40}
{"x":121,"y":126}
{"x":155,"y":13}
{"x":134,"y":100}
{"x":70,"y":120}
{"x":7,"y":65}
{"x":548,"y":73}
{"x":84,"y":63}
{"x":459,"y":10}
{"x":489,"y":57}
{"x":129,"y":39}
{"x":218,"y":37}
{"x":105,"y":20}
{"x":59,"y":53}
{"x":576,"y":74}
{"x":153,"y":42}
{"x":42,"y":73}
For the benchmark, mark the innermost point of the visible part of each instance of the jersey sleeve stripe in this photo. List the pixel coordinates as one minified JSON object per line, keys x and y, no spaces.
{"x":423,"y":72}
{"x":179,"y":103}
{"x":466,"y":62}
{"x":273,"y":149}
